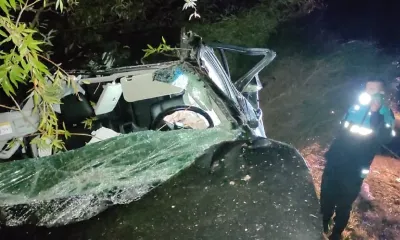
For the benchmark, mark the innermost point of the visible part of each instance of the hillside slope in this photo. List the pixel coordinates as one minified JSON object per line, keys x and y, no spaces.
{"x":304,"y":97}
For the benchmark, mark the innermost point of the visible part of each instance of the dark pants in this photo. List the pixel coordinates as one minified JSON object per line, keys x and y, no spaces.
{"x":338,"y":192}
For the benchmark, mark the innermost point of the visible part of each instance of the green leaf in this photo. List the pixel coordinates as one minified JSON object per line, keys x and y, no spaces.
{"x":3,"y":34}
{"x":23,"y":49}
{"x":5,"y":40}
{"x":4,"y":6}
{"x":13,"y":78}
{"x":42,"y":122}
{"x":86,"y":82}
{"x":39,"y":66}
{"x":163,"y":40}
{"x":146,"y":55}
{"x":32,"y":43}
{"x":28,"y":30}
{"x":13,"y":5}
{"x":150,"y":47}
{"x":53,"y":117}
{"x":58,"y":144}
{"x":18,"y":71}
{"x":11,"y":144}
{"x":35,"y":100}
{"x":35,"y":141}
{"x":25,"y":66}
{"x":7,"y":87}
{"x":60,"y":4}
{"x":3,"y":72}
{"x":35,"y":47}
{"x":17,"y":76}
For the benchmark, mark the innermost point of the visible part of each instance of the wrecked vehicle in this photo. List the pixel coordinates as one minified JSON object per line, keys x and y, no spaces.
{"x":152,"y":121}
{"x":150,"y":97}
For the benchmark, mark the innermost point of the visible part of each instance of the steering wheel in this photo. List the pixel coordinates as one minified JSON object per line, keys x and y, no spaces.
{"x":166,"y":120}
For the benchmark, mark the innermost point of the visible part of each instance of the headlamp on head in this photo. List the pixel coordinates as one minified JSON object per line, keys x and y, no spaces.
{"x":364,"y":98}
{"x":364,"y":172}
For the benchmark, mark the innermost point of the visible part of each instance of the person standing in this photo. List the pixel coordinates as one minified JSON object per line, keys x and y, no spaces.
{"x":364,"y":129}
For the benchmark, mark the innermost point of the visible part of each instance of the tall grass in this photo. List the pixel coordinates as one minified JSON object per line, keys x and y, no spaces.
{"x":252,"y":27}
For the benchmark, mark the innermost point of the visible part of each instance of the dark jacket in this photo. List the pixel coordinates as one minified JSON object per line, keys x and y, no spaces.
{"x":350,"y":153}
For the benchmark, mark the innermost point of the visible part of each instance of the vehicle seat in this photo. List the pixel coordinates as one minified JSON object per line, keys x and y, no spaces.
{"x":75,"y":110}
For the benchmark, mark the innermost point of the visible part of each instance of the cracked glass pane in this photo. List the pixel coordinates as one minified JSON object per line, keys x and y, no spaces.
{"x":76,"y":185}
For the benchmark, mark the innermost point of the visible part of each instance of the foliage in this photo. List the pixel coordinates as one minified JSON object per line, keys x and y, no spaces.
{"x":165,"y":49}
{"x":191,"y":4}
{"x":25,"y":63}
{"x":252,"y":27}
{"x":132,"y":13}
{"x":88,"y":123}
{"x":162,"y":48}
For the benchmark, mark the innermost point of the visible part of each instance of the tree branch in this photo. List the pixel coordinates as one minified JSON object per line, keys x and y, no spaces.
{"x":39,"y":11}
{"x":10,"y":108}
{"x":56,"y":65}
{"x":15,"y":102}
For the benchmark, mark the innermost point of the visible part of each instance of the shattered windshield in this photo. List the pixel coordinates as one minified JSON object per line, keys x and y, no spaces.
{"x":76,"y":185}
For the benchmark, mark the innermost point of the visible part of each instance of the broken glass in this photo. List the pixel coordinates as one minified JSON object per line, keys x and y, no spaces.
{"x":77,"y":185}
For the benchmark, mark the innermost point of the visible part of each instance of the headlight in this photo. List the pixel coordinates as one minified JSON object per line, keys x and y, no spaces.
{"x":364,"y":98}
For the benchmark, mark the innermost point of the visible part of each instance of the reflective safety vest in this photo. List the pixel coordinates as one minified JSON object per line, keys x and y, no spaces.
{"x":358,"y":119}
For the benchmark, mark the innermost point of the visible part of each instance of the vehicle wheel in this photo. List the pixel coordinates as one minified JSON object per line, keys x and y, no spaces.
{"x":182,"y":117}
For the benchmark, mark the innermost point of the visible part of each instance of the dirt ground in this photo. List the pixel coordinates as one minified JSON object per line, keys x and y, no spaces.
{"x":303,"y":100}
{"x":376,"y":217}
{"x":376,"y":212}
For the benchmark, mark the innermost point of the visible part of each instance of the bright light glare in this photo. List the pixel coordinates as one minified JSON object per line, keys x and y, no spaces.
{"x":354,"y":129}
{"x":393,"y":133}
{"x":364,"y":131}
{"x":360,"y":130}
{"x":346,"y":124}
{"x":364,"y":98}
{"x":181,"y":81}
{"x":365,"y":171}
{"x":357,"y":107}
